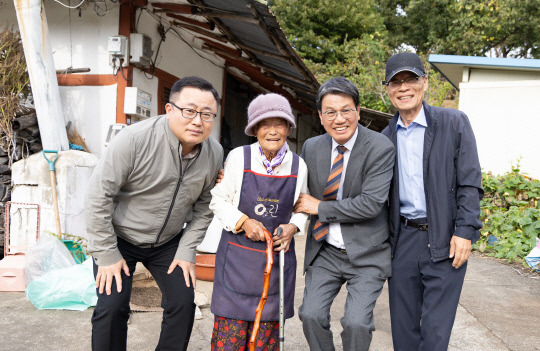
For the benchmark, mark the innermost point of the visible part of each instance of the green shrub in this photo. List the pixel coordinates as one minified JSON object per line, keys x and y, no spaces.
{"x":510,"y":214}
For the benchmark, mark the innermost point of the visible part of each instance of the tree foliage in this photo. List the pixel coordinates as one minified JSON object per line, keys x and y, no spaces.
{"x":502,"y":28}
{"x":14,"y":81}
{"x":340,"y":37}
{"x":511,"y":215}
{"x":354,"y":38}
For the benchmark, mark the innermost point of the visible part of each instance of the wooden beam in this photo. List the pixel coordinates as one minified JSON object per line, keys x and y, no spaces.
{"x":126,"y":26}
{"x":86,"y":79}
{"x":200,"y":31}
{"x":180,"y":8}
{"x":204,"y":11}
{"x":203,"y":25}
{"x":234,"y":52}
{"x":135,"y":3}
{"x":230,"y":16}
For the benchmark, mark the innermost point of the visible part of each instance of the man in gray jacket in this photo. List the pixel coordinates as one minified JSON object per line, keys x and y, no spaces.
{"x":154,"y":178}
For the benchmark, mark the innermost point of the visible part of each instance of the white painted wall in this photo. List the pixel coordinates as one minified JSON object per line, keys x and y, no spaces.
{"x":498,"y":75}
{"x":179,"y":59}
{"x":83,"y":43}
{"x":505,"y":116}
{"x":91,"y":110}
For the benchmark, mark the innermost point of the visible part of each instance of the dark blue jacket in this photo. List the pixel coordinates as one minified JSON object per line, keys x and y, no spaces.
{"x":452,"y":180}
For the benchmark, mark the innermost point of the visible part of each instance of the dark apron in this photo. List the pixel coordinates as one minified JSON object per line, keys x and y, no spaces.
{"x":240,"y":262}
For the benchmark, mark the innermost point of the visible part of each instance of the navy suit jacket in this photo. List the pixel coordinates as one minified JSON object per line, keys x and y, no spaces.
{"x":452,"y":180}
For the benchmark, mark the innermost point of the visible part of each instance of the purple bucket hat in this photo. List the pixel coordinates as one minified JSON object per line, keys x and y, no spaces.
{"x":268,"y":106}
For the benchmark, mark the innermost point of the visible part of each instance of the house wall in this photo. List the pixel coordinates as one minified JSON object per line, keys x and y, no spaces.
{"x":81,"y":42}
{"x":180,"y":59}
{"x":498,"y":75}
{"x":505,"y":116}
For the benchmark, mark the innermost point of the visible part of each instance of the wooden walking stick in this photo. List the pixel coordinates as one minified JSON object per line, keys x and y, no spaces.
{"x":266,"y":286}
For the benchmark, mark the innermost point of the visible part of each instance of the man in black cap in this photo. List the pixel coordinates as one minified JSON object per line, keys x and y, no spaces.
{"x":434,"y":208}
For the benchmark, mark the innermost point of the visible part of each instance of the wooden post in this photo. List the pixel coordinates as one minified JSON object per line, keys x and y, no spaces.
{"x":39,"y":59}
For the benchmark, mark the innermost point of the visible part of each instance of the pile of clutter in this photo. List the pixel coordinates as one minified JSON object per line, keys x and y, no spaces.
{"x":26,"y":141}
{"x":52,"y":275}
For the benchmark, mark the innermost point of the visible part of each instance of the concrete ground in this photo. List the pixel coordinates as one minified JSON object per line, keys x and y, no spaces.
{"x":499,"y":310}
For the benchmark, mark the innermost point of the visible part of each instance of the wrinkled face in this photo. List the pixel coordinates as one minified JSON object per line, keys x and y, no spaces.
{"x":191,"y":132}
{"x":341,"y":129}
{"x":272,"y":134}
{"x":408,"y":97}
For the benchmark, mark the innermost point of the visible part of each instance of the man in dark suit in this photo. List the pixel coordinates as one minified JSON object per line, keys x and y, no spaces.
{"x":350,"y":169}
{"x":434,"y":209}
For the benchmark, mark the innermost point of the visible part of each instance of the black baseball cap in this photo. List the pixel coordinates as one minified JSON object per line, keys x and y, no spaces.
{"x":404,"y":61}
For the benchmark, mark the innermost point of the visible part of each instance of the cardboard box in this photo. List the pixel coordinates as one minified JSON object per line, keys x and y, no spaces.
{"x":12,"y":273}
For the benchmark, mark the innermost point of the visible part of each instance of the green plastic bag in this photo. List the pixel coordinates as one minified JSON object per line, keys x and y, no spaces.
{"x":72,"y":288}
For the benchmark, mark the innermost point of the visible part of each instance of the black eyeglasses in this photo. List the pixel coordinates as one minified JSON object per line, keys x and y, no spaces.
{"x":409,"y":82}
{"x":190,"y":113}
{"x":331,"y":115}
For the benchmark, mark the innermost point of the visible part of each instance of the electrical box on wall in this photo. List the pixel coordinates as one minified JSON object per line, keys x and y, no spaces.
{"x":140,"y":49}
{"x":113,"y":130}
{"x":137,"y":104}
{"x":118,"y":47}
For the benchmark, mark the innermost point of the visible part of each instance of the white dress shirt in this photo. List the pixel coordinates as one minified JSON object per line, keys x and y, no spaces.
{"x":334,"y":236}
{"x":410,"y":151}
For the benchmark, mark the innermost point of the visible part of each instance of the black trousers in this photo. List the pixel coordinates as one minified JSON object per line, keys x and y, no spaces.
{"x":109,"y":320}
{"x":424,"y":295}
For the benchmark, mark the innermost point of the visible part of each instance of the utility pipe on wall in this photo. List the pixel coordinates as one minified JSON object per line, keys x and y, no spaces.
{"x":39,"y":59}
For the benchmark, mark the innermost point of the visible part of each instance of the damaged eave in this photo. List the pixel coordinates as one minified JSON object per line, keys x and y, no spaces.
{"x":247,"y":36}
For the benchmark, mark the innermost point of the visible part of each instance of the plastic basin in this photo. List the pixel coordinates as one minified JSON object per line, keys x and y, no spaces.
{"x":204,"y":267}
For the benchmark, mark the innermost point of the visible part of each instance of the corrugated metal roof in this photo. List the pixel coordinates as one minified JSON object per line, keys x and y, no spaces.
{"x":248,"y":37}
{"x":451,"y":66}
{"x":516,"y":63}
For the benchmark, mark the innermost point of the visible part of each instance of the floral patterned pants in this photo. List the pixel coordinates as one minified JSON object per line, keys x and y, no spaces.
{"x":233,"y":335}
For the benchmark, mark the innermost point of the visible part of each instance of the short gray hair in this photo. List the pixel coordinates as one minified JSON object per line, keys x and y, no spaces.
{"x":337,"y":85}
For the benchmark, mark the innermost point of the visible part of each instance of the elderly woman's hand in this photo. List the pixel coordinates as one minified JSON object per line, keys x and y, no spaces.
{"x":283,"y":241}
{"x":254,"y":229}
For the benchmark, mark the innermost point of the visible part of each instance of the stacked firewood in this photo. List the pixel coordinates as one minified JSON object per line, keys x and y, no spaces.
{"x":26,"y":141}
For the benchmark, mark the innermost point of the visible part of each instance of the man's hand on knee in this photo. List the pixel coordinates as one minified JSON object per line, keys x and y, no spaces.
{"x":188,"y":268}
{"x":105,"y":275}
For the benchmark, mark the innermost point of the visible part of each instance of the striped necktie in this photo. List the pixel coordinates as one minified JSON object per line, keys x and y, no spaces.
{"x":320,"y":230}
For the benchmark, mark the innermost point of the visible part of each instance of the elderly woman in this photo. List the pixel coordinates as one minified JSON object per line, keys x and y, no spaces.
{"x":262,"y":182}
